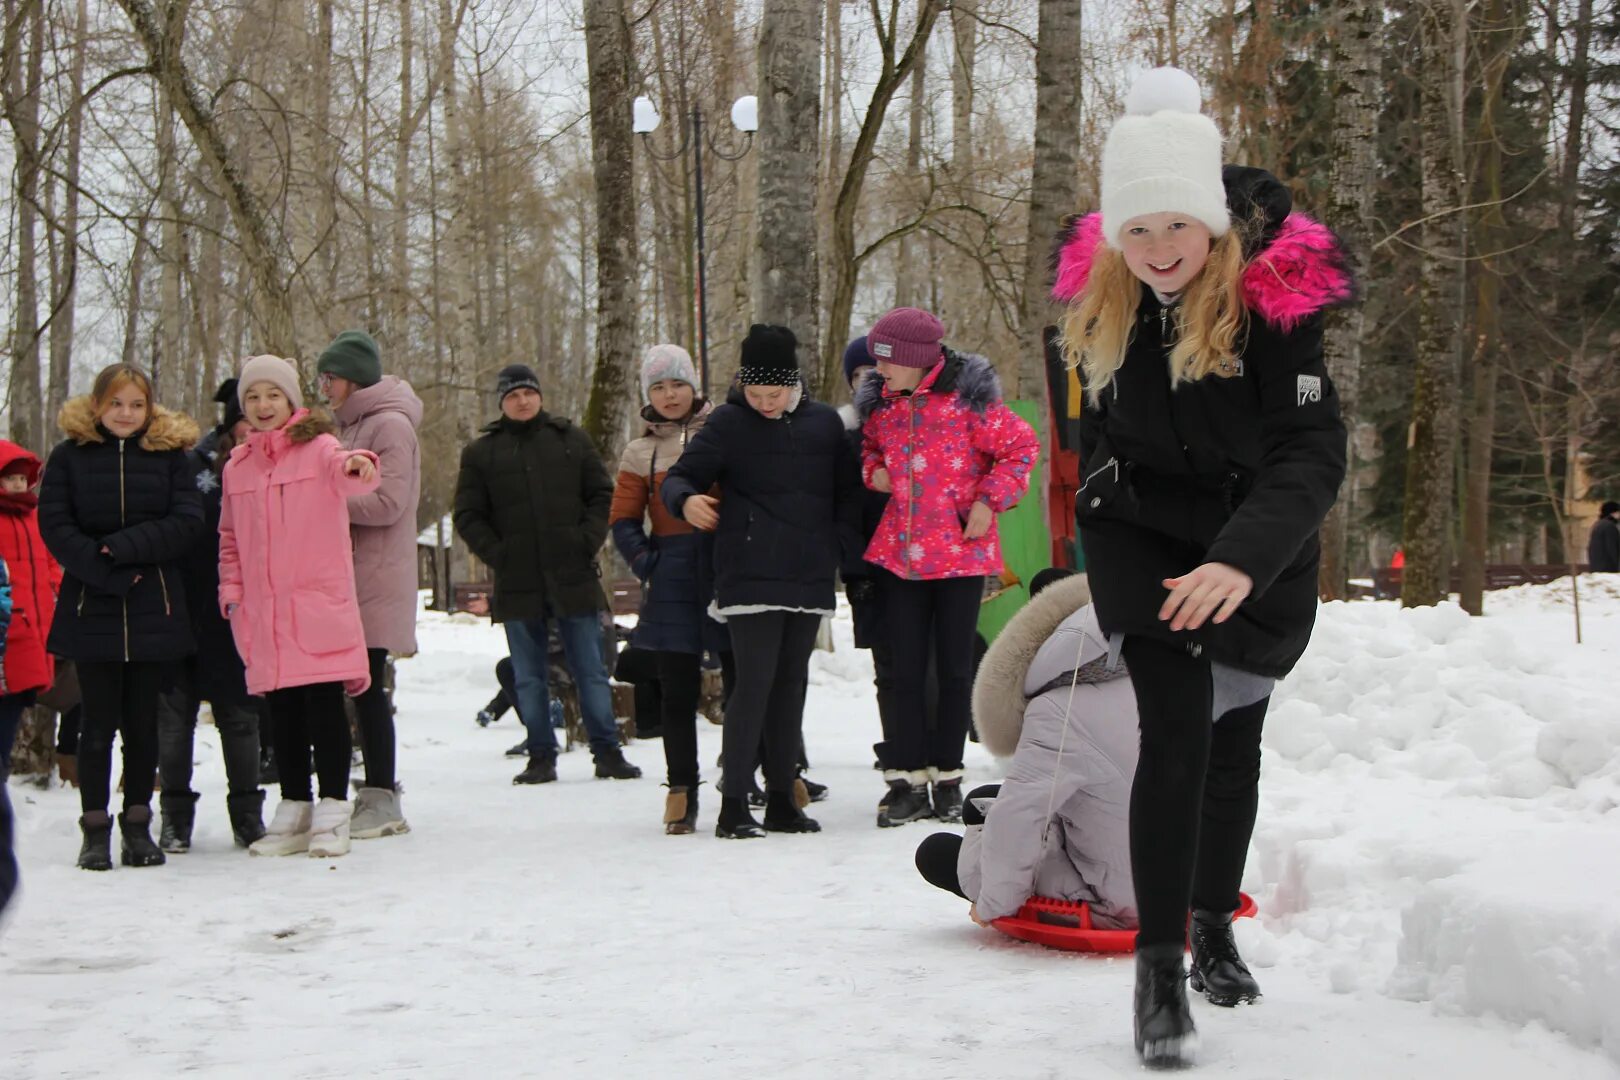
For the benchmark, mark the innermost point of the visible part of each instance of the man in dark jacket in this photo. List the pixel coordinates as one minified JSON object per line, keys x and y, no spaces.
{"x":1603,"y":549}
{"x":532,"y":503}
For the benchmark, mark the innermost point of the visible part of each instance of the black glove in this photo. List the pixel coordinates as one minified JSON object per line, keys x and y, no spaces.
{"x":861,"y":590}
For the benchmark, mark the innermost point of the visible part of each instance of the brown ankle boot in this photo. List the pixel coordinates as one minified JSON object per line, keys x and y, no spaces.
{"x":680,"y":811}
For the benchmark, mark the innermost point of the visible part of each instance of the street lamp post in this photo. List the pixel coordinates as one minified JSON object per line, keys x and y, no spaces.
{"x":745,"y":117}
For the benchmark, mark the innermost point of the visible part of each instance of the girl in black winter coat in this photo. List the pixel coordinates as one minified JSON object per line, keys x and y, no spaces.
{"x":788,"y":511}
{"x":1211,"y":449}
{"x":118,"y":508}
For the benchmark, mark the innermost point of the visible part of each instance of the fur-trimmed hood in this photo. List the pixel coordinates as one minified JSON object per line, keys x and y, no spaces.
{"x":969,"y":376}
{"x":1295,"y":265}
{"x":165,"y":431}
{"x":1013,"y":670}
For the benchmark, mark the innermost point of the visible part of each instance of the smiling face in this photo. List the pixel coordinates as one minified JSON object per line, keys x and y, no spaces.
{"x":1165,"y":250}
{"x":671,"y":398}
{"x":126,"y":411}
{"x":266,"y":406}
{"x":900,"y":379}
{"x":769,"y":401}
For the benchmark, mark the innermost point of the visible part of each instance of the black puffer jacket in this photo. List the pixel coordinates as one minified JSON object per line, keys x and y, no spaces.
{"x":790,"y":502}
{"x":1238,"y":470}
{"x":861,"y":578}
{"x":138,"y":498}
{"x":532,"y":502}
{"x":218,"y":676}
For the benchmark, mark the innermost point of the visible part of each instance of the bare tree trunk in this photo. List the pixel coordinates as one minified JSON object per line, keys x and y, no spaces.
{"x":1356,"y":44}
{"x":324,"y":290}
{"x":161,"y":38}
{"x":1432,"y":453}
{"x":131,"y":353}
{"x":963,"y":292}
{"x":846,"y":260}
{"x":832,"y":158}
{"x":168,"y":342}
{"x":21,"y":90}
{"x":1054,"y":186}
{"x":458,"y":276}
{"x":788,"y":287}
{"x":66,"y":290}
{"x":610,"y":54}
{"x":400,"y":286}
{"x":908,"y":275}
{"x":1500,"y":33}
{"x":1583,"y":364}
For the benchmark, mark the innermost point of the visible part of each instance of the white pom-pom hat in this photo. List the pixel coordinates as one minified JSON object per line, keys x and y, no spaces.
{"x":1163,"y":156}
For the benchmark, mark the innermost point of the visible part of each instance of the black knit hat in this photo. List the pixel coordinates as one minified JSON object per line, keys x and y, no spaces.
{"x":515,"y":377}
{"x":226,"y":396}
{"x":353,"y":356}
{"x":769,"y":357}
{"x":1610,"y":507}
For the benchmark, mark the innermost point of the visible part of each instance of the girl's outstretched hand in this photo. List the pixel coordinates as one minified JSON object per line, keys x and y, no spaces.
{"x":1213,"y":589}
{"x":360,"y":465}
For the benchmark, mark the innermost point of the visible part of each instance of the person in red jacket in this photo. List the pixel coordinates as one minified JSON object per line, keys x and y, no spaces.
{"x":35,"y":579}
{"x":936,"y":434}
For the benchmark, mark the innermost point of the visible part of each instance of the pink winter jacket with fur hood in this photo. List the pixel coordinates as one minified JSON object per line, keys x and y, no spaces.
{"x":286,"y":561}
{"x":950,"y":443}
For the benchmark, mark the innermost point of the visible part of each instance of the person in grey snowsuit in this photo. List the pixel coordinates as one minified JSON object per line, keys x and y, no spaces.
{"x":1021,"y":707}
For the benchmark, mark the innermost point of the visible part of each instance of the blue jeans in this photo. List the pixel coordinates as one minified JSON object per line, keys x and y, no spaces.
{"x":581,"y":635}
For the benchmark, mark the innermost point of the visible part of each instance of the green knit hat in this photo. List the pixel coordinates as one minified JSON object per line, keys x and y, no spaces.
{"x":353,"y":356}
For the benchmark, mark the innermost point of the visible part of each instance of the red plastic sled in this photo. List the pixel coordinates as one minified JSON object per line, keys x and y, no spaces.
{"x":1063,"y":924}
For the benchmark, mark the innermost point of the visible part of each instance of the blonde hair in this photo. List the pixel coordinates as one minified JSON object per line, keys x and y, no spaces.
{"x":113,"y":378}
{"x":1210,"y":321}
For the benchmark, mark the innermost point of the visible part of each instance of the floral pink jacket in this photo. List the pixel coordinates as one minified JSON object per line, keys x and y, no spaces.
{"x":286,"y":563}
{"x":950,"y":443}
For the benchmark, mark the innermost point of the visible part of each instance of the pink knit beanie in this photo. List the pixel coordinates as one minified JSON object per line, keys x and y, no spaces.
{"x":907,"y":336}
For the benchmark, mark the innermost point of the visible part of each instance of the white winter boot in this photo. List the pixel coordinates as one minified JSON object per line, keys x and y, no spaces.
{"x":288,"y":833}
{"x":329,"y":831}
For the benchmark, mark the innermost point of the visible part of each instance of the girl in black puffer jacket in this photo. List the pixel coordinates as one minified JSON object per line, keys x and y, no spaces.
{"x":1211,"y":448}
{"x":118,"y":508}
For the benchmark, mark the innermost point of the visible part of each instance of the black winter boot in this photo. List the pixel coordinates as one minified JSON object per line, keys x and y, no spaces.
{"x":179,"y":815}
{"x":782,"y":814}
{"x":948,"y":801}
{"x":247,"y":817}
{"x":268,"y":772}
{"x":1165,"y":1036}
{"x":135,"y":826}
{"x":1218,"y":972}
{"x":611,"y":765}
{"x":540,"y":770}
{"x":817,"y":792}
{"x":96,"y":851}
{"x":681,"y":810}
{"x":905,"y":802}
{"x":736,"y":823}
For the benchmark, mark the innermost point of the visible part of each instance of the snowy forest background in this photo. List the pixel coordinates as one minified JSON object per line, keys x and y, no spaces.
{"x":193,"y":181}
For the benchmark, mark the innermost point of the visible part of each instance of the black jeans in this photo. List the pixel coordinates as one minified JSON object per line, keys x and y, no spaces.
{"x":929,"y":621}
{"x":311,"y":717}
{"x":1196,"y":790}
{"x":374,"y":710}
{"x":12,"y":707}
{"x":772,"y":654}
{"x":118,"y":698}
{"x":680,"y":684}
{"x":938,"y":854}
{"x":238,"y":727}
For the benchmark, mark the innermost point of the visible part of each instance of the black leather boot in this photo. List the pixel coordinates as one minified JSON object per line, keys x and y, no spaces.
{"x":179,"y":815}
{"x":247,"y":817}
{"x":1165,"y":1035}
{"x":782,"y":814}
{"x":736,"y":823}
{"x":135,"y":827}
{"x":540,"y":770}
{"x":1218,"y":972}
{"x":96,"y":851}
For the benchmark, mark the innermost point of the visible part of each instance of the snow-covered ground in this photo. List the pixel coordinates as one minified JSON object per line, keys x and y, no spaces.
{"x":1437,"y":863}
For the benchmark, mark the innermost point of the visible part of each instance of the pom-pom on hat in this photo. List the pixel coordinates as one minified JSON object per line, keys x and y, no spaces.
{"x":279,"y":373}
{"x":769,"y":357}
{"x":1163,"y":156}
{"x":666,"y":362}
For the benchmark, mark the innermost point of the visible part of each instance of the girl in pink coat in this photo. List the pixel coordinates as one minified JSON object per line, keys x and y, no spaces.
{"x":937,"y":436}
{"x":286,"y":583}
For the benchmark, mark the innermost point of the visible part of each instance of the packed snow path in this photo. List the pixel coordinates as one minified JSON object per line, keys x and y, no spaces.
{"x":1437,"y":860}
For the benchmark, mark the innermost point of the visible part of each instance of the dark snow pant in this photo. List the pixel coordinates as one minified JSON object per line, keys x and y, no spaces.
{"x":238,"y":727}
{"x":929,"y":620}
{"x":937,"y":855}
{"x":309,"y":717}
{"x":12,"y":707}
{"x":374,"y":711}
{"x":8,"y":860}
{"x":118,"y":698}
{"x":67,"y":731}
{"x":772,"y":654}
{"x":680,"y":685}
{"x":1195,"y":794}
{"x":502,"y":701}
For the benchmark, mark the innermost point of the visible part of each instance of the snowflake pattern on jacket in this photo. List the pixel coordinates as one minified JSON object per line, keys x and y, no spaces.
{"x":948,"y":444}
